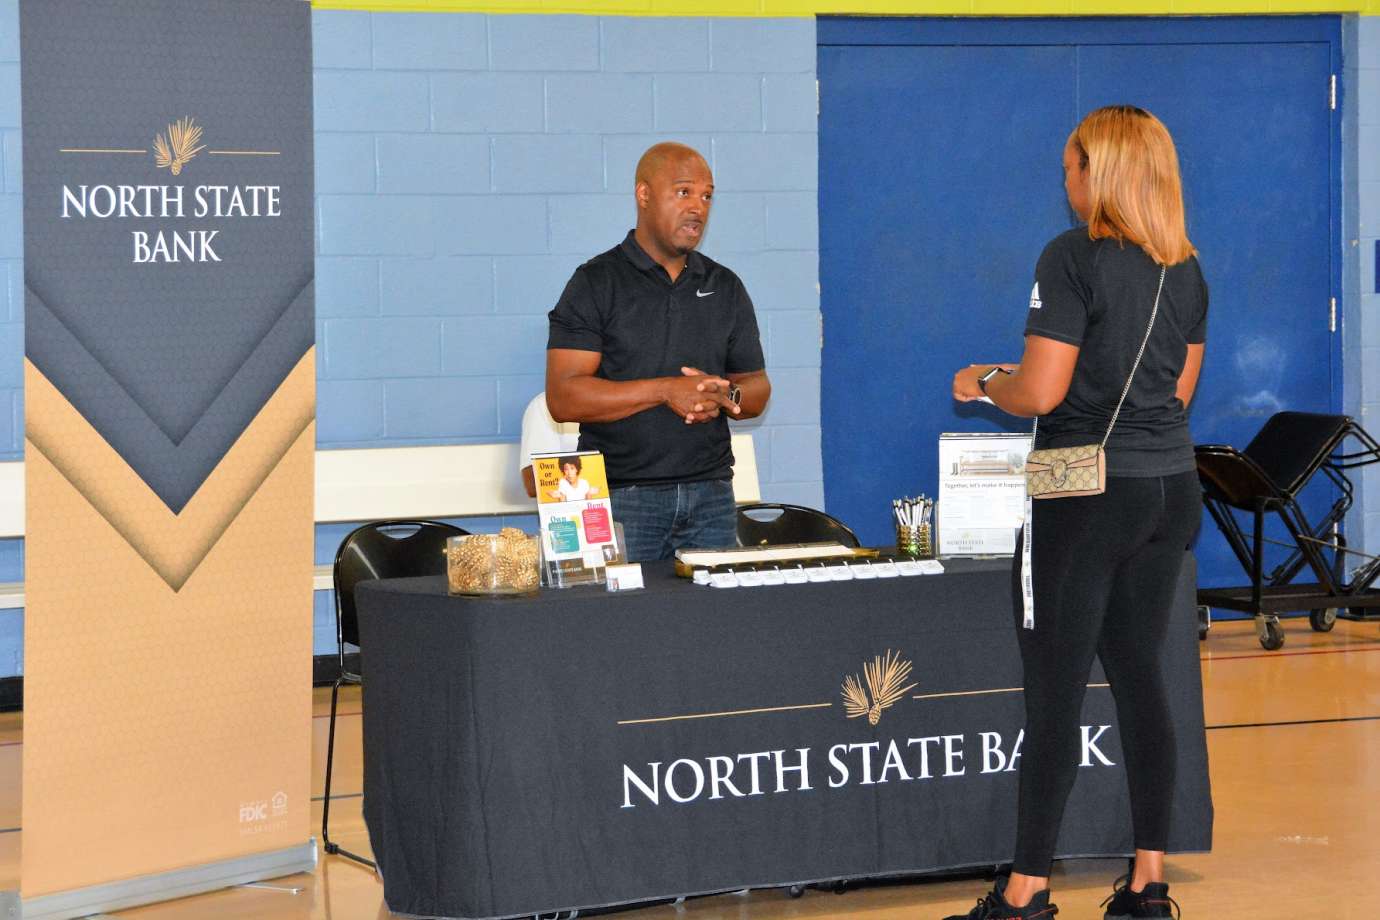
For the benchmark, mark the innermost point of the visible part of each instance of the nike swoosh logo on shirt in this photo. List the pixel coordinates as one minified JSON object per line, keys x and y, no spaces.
{"x":699,"y":293}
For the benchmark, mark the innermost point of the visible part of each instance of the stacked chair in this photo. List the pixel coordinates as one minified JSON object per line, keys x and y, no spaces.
{"x":1267,"y":478}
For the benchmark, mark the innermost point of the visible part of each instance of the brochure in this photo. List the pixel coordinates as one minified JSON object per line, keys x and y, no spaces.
{"x":981,"y":493}
{"x":575,"y":513}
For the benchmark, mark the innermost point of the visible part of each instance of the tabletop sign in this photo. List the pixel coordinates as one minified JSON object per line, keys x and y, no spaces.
{"x":578,"y":537}
{"x":981,"y":493}
{"x":625,"y":577}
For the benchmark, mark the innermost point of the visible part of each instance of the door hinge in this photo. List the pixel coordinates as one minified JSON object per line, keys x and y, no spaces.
{"x":816,"y":98}
{"x":1331,"y":92}
{"x":1332,"y":316}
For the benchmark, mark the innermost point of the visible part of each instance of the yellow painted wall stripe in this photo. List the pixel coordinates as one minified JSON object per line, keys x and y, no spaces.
{"x":806,"y":8}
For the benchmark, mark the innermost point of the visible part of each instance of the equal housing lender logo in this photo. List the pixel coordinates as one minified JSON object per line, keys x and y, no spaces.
{"x":173,"y":148}
{"x":942,"y":757}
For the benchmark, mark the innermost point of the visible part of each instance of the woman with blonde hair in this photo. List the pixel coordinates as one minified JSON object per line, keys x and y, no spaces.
{"x":1113,"y":346}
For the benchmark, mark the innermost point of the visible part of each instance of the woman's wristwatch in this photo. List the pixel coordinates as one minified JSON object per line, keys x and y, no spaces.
{"x":982,"y":381}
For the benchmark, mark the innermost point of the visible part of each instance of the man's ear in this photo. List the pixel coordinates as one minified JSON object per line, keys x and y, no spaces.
{"x":643,"y":192}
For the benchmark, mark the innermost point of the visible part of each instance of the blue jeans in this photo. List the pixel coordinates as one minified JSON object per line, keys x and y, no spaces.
{"x":658,"y":520}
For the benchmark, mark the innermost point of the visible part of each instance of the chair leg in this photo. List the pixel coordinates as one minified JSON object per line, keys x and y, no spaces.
{"x":332,"y":848}
{"x":356,"y":857}
{"x":1257,"y":557}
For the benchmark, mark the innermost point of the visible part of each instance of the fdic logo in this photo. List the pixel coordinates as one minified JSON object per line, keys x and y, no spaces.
{"x":263,"y":810}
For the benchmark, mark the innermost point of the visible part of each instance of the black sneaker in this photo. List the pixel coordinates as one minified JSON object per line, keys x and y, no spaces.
{"x":1125,"y":904}
{"x":994,"y":907}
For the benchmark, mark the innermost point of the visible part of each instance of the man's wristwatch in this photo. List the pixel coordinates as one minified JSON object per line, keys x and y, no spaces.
{"x":982,"y":381}
{"x":735,"y":394}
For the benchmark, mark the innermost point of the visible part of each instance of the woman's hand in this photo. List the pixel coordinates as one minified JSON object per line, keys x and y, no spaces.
{"x":966,"y":387}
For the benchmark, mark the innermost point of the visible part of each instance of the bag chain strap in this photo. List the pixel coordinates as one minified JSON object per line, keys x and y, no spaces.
{"x":1154,"y":311}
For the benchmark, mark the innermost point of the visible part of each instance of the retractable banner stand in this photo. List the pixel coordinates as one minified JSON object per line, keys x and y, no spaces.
{"x":169,"y":438}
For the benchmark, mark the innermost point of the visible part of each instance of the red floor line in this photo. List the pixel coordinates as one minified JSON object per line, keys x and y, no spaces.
{"x":1322,"y":651}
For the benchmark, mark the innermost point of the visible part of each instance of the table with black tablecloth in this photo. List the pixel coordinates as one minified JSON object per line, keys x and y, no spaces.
{"x":582,"y":748}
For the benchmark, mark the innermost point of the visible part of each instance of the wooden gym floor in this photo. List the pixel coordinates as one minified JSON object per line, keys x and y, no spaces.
{"x":1293,"y":736}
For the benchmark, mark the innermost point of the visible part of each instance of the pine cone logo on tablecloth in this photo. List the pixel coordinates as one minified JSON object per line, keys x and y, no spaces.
{"x":884,"y":677}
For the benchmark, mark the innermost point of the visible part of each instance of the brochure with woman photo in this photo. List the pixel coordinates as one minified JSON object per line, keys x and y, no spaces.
{"x":573,"y":507}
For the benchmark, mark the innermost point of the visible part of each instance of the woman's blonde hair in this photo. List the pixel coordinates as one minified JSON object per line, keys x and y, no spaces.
{"x":1133,"y":181}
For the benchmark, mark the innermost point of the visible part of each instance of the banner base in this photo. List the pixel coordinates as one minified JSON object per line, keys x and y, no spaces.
{"x":164,"y":886}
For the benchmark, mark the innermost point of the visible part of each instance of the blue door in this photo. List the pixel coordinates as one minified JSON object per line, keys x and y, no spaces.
{"x":940,"y":182}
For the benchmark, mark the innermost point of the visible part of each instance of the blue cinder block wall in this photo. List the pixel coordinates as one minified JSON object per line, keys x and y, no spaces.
{"x":11,"y":315}
{"x":1361,"y":281}
{"x":467,"y":163}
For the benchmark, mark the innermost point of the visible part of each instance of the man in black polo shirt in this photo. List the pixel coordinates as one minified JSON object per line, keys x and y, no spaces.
{"x":652,"y":348}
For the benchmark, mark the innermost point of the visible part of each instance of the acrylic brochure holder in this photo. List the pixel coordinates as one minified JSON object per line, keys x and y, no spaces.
{"x":578,"y":535}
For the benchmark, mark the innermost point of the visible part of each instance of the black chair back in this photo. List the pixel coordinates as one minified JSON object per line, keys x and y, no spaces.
{"x":386,"y":549}
{"x":1292,"y":445}
{"x":772,"y":524}
{"x":1227,"y":475}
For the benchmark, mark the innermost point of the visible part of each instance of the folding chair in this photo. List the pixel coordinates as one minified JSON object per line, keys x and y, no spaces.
{"x":1267,"y":477}
{"x":382,"y":549}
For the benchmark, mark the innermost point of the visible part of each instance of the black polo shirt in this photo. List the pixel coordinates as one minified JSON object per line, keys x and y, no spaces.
{"x":1098,"y":295}
{"x":624,"y":306}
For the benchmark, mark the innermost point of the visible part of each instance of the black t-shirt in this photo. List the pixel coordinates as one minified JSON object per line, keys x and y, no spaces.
{"x":624,"y":305}
{"x":1098,"y":294}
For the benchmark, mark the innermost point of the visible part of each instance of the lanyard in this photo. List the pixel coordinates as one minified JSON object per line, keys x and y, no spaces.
{"x":1027,"y":586}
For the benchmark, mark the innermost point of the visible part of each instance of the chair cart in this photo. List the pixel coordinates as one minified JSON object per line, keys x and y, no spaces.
{"x":1267,"y":477}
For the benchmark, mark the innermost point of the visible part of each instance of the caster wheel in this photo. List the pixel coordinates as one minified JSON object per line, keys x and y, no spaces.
{"x":1272,"y":639}
{"x":796,"y":891}
{"x":1204,"y":621}
{"x":840,"y":887}
{"x":1323,"y":620}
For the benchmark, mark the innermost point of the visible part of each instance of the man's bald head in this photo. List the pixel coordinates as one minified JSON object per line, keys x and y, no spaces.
{"x":660,"y":158}
{"x":674,"y":190}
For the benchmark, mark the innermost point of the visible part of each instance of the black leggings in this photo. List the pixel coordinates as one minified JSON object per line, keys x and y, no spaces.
{"x":1105,"y":572}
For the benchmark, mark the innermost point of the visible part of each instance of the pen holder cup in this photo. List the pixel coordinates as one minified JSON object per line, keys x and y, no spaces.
{"x":914,"y":542}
